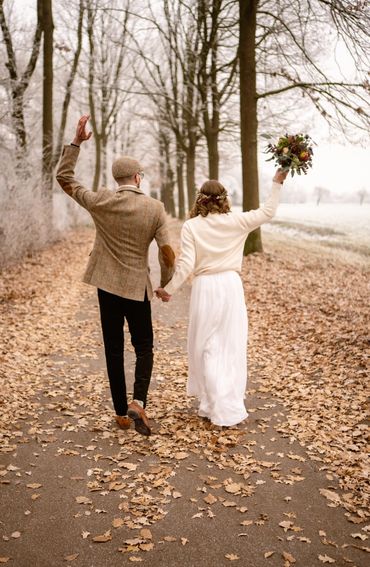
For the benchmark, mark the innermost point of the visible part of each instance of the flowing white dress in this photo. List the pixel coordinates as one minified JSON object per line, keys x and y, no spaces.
{"x":217,"y":347}
{"x":212,"y":249}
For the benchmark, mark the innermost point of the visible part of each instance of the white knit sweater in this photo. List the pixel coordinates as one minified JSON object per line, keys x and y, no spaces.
{"x":215,"y":243}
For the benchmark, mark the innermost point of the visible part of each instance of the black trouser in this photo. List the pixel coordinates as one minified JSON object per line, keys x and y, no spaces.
{"x":113,"y":312}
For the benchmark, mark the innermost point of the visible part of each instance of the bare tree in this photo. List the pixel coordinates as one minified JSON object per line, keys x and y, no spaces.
{"x":107,"y":39}
{"x":362,"y":193}
{"x":20,"y":80}
{"x":217,"y":72}
{"x":320,"y":194}
{"x":70,"y":80}
{"x":170,"y":82}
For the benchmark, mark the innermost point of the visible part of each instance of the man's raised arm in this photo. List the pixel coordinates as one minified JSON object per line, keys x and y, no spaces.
{"x":65,"y":173}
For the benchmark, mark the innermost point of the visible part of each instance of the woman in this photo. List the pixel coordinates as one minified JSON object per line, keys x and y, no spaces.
{"x":212,"y":242}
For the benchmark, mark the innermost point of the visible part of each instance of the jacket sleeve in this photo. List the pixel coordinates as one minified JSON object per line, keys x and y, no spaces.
{"x":251,"y":220}
{"x":166,"y":255}
{"x":66,"y":178}
{"x":186,"y":262}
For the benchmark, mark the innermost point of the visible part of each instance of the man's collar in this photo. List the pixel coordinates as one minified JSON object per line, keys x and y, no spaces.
{"x":129,"y":188}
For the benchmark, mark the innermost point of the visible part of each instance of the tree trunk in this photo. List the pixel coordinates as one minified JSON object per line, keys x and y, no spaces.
{"x":95,"y":184}
{"x":166,"y":174}
{"x":190,"y":174}
{"x":104,"y":144}
{"x":170,"y":186}
{"x":162,"y":169}
{"x":180,"y":181}
{"x":47,"y":104}
{"x":248,"y":115}
{"x":213,"y":155}
{"x":18,"y":122}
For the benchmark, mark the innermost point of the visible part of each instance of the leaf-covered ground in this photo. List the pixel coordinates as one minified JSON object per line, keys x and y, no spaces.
{"x":288,"y":487}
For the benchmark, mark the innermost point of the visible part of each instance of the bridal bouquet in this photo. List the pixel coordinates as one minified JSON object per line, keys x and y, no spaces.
{"x":292,"y":153}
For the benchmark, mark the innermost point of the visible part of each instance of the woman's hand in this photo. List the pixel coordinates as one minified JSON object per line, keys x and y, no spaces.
{"x":280,"y":176}
{"x":162,"y":294}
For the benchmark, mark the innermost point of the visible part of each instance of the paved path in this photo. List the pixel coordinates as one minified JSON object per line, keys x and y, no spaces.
{"x":188,"y":496}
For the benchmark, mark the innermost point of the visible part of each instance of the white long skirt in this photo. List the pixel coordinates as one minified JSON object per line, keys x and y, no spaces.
{"x":217,"y":347}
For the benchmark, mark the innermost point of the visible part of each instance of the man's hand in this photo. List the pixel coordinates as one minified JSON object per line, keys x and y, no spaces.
{"x":280,"y":176}
{"x":81,"y":134}
{"x":162,"y":294}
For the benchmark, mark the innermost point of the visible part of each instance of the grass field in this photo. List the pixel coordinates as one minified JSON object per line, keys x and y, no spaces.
{"x":344,"y":227}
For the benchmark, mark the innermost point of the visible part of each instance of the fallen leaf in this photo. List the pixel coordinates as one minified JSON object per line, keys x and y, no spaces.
{"x":232,"y":556}
{"x":71,"y":557}
{"x":117,"y":522}
{"x":326,"y":559}
{"x":210,"y":499}
{"x":128,"y":466}
{"x":286,"y":524}
{"x":117,"y":486}
{"x":180,"y":455}
{"x":228,"y":504}
{"x":363,"y":537}
{"x":330,"y":495}
{"x":16,"y":535}
{"x":232,"y":488}
{"x":146,"y":546}
{"x":83,"y":500}
{"x":296,"y":457}
{"x":146,"y":534}
{"x":103,"y":538}
{"x":288,"y":557}
{"x":133,"y":541}
{"x":34,"y":485}
{"x":268,"y":554}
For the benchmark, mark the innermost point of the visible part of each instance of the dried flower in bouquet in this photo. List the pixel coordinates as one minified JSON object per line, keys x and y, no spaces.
{"x":292,"y":153}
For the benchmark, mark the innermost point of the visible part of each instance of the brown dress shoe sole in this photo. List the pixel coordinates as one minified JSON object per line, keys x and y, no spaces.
{"x":140,"y":426}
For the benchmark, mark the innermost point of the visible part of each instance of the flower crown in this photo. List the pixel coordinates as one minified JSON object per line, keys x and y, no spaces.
{"x":204,"y":198}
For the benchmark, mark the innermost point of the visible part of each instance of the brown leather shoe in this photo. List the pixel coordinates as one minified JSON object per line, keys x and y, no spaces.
{"x":137,"y":413}
{"x":123,"y":422}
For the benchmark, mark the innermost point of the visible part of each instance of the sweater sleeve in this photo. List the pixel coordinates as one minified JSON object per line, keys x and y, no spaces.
{"x":251,"y":220}
{"x":186,"y":261}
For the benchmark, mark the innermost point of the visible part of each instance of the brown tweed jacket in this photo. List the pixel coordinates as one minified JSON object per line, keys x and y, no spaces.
{"x":126,"y":222}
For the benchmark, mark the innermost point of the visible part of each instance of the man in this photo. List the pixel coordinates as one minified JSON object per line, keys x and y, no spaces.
{"x":126,"y":222}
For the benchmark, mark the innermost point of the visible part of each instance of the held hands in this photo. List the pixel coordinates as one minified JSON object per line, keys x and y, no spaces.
{"x":162,"y":294}
{"x":81,"y":134}
{"x":280,"y":176}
